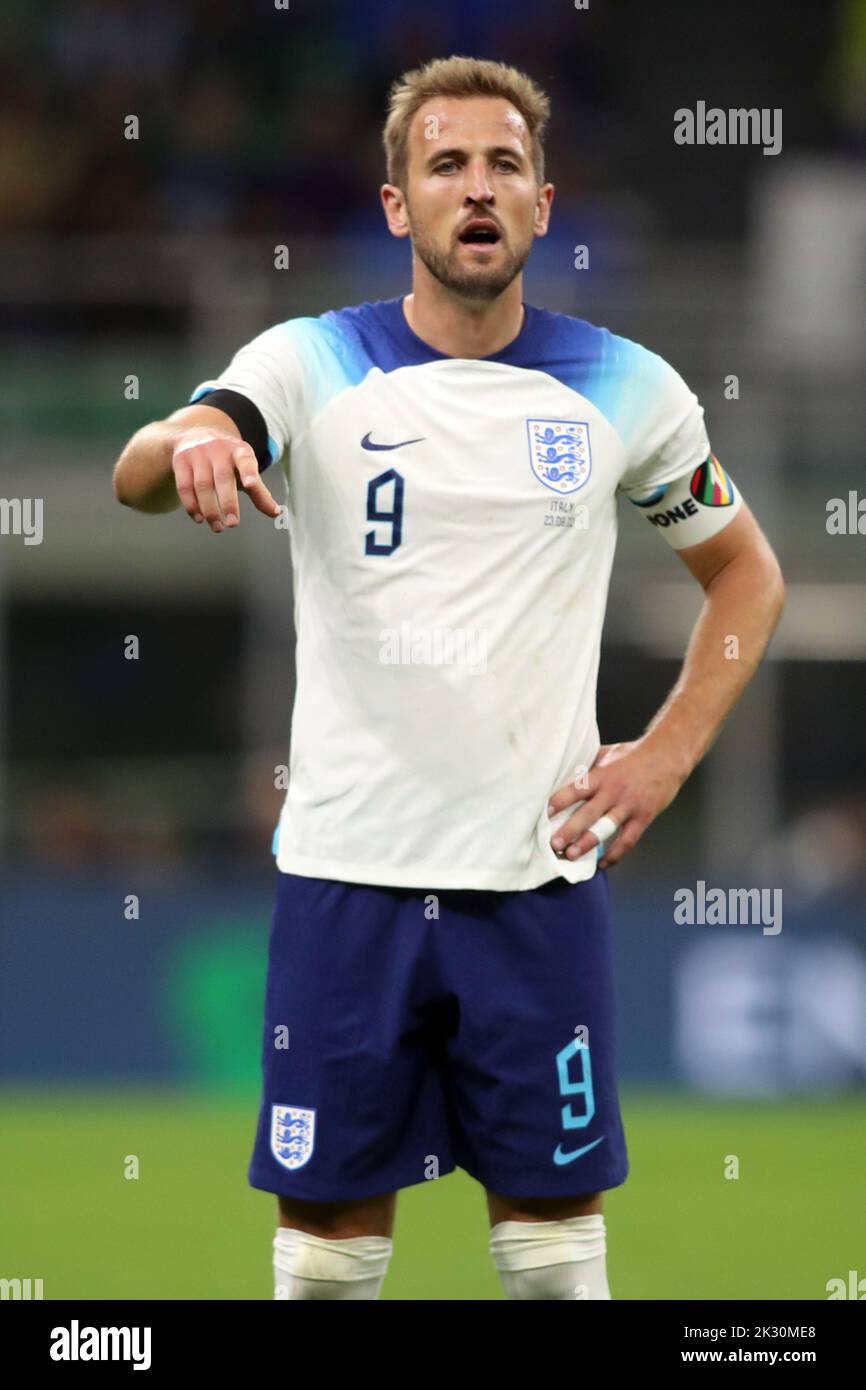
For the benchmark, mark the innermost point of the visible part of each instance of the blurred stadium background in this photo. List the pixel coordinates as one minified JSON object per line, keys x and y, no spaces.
{"x":153,"y":259}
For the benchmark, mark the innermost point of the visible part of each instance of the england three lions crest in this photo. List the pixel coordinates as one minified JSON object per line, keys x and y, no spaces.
{"x":559,"y":453}
{"x":292,"y":1135}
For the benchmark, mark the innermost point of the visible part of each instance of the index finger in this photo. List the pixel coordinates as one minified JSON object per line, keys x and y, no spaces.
{"x":245,"y":463}
{"x":258,"y":493}
{"x":572,"y":792}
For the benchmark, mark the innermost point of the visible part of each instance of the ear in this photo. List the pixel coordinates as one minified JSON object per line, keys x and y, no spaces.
{"x":542,"y":209}
{"x":396,"y":214}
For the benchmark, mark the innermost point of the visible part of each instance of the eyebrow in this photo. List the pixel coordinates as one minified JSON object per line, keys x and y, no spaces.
{"x":456,"y":153}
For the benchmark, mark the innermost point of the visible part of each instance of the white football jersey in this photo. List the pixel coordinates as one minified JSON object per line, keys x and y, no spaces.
{"x":453,"y":524}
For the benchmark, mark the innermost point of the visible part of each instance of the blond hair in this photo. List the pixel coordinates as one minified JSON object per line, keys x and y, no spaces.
{"x":460,"y":77}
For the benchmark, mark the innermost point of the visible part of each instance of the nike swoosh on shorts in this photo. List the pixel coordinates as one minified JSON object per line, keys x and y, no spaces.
{"x":562,"y":1158}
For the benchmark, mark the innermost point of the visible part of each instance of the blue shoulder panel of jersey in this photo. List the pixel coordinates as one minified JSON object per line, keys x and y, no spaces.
{"x":331,"y":358}
{"x":339,"y":348}
{"x":619,"y":376}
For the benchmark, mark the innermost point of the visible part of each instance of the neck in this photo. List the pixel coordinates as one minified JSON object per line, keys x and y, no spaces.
{"x":463,"y":328}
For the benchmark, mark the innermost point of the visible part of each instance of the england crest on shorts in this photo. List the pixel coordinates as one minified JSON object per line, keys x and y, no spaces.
{"x":292,"y":1135}
{"x":559,"y":453}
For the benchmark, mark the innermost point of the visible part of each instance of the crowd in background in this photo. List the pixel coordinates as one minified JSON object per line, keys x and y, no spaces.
{"x":252,"y":116}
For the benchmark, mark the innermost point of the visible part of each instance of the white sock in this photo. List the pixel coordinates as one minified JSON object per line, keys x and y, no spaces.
{"x":551,"y":1259}
{"x":308,"y":1266}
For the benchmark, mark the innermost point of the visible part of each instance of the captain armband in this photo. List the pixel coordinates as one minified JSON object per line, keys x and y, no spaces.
{"x":693,"y":507}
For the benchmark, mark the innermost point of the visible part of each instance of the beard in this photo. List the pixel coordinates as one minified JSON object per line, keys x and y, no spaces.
{"x":481,"y":282}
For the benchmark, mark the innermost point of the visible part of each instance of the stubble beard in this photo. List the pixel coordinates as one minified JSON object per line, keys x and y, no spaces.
{"x":482,"y":282}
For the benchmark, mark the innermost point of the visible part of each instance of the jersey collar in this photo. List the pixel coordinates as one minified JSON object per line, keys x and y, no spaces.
{"x":413,"y":349}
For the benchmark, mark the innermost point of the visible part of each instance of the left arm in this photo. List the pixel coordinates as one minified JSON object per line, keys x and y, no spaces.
{"x":634,"y":782}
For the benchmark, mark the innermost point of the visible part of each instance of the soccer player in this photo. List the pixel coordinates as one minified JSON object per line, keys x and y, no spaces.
{"x":441,"y":944}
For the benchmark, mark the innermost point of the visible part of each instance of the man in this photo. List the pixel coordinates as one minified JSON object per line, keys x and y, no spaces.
{"x":441,"y":946}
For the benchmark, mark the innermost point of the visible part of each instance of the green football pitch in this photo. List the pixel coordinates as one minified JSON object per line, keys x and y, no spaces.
{"x":188,"y":1226}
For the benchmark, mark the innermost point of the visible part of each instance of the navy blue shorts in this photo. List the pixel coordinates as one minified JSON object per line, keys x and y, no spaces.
{"x":399,"y":1044}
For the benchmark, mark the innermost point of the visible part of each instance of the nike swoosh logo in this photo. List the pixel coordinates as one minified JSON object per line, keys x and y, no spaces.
{"x":366,"y":442}
{"x":562,"y":1158}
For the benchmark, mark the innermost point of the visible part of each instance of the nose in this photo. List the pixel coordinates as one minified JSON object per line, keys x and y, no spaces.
{"x":478,"y":187}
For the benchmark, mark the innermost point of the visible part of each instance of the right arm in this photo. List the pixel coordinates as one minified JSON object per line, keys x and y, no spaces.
{"x":192,"y":459}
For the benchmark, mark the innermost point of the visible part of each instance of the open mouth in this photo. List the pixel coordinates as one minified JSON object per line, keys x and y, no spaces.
{"x":480,"y":233}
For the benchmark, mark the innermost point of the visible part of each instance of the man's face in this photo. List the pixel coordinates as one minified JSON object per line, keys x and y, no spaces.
{"x":470,"y":159}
